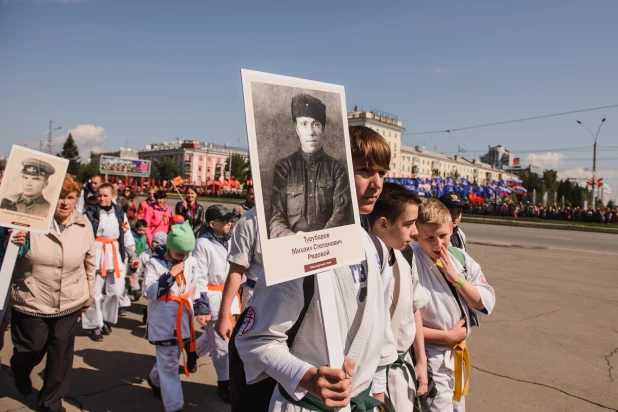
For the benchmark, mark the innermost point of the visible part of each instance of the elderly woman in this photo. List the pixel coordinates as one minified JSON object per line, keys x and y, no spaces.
{"x":53,"y":281}
{"x":192,"y":211}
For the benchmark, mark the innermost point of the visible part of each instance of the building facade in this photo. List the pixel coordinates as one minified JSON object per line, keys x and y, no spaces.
{"x":498,"y":157}
{"x":414,"y":161}
{"x":418,"y":162}
{"x":198,"y":161}
{"x":388,"y":126}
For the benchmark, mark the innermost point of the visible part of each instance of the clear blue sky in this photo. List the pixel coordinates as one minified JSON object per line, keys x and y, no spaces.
{"x":152,"y":71}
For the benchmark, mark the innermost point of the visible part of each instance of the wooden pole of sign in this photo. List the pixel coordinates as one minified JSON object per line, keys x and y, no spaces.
{"x":177,"y":191}
{"x":330,"y":320}
{"x":6,"y":273}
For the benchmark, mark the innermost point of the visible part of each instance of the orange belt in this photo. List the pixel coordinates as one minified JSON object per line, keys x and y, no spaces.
{"x":183,"y":301}
{"x":105,"y":242}
{"x":219,"y":288}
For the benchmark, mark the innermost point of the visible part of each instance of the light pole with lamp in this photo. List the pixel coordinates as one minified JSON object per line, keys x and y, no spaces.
{"x":594,"y":157}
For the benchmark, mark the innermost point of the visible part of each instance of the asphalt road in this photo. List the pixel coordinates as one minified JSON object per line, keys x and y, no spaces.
{"x":551,"y":343}
{"x":541,"y":238}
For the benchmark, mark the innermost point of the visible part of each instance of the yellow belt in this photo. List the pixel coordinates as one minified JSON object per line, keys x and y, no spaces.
{"x":460,"y":352}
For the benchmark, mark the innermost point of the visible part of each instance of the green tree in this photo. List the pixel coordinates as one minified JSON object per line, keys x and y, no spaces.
{"x":165,"y":169}
{"x":87,"y":170}
{"x":71,"y":153}
{"x":532,"y":181}
{"x":238,"y":165}
{"x":550,"y":182}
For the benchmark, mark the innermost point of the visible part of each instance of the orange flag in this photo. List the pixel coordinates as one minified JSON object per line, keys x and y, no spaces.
{"x":177,"y":181}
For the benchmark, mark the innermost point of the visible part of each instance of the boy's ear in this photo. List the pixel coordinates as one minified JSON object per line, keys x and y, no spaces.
{"x":383,"y":223}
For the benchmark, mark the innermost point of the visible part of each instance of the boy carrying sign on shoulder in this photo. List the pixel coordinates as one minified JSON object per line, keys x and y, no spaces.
{"x":393,"y":220}
{"x":455,"y":292}
{"x":304,"y":383}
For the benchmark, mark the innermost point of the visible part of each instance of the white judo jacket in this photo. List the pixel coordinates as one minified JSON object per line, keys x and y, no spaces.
{"x":162,"y":313}
{"x":361,"y":292}
{"x":442,"y":310}
{"x":108,"y":228}
{"x":213,"y":265}
{"x":406,"y":297}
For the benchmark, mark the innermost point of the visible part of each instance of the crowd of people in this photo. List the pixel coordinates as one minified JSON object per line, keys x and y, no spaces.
{"x":404,"y":311}
{"x":589,"y":214}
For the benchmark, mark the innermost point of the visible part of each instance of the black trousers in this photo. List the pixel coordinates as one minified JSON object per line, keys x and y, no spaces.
{"x":33,"y":338}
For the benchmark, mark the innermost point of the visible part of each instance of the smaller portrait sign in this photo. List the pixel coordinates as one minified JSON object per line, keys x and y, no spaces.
{"x":30,"y":189}
{"x":122,"y":166}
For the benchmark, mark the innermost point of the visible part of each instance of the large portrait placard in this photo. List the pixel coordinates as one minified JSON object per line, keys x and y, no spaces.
{"x":302,"y":173}
{"x":30,"y":189}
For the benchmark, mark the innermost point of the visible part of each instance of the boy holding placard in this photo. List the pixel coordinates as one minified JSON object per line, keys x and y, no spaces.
{"x":360,"y":292}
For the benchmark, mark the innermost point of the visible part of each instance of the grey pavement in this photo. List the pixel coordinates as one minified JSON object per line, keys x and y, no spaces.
{"x":541,"y":238}
{"x":550,"y":345}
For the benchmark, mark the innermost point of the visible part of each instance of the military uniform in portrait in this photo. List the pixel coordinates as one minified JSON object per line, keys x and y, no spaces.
{"x":311,"y":190}
{"x":34,"y":178}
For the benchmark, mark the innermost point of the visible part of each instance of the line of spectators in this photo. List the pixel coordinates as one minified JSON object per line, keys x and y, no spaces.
{"x":608,"y":215}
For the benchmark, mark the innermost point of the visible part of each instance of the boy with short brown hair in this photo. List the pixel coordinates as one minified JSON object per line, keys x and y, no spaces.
{"x":455,"y":290}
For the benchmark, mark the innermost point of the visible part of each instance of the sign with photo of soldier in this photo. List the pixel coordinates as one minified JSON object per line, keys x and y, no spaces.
{"x":302,"y":173}
{"x":30,"y":189}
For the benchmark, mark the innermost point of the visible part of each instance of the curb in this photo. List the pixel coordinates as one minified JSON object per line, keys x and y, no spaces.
{"x":536,"y":225}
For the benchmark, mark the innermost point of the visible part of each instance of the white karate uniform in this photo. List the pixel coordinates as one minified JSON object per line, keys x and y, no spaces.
{"x":143,"y":258}
{"x":443,"y":312}
{"x":161,"y":326}
{"x":105,"y":309}
{"x":211,"y":259}
{"x":406,"y":297}
{"x":360,"y":293}
{"x":246,"y":251}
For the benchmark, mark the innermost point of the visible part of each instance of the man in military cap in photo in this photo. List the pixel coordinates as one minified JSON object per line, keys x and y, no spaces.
{"x":34,"y":178}
{"x":311,"y":190}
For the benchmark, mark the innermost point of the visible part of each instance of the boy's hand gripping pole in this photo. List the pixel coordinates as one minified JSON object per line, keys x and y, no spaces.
{"x":330,"y":320}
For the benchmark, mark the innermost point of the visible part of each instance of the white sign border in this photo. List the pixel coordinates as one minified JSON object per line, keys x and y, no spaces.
{"x":248,"y":76}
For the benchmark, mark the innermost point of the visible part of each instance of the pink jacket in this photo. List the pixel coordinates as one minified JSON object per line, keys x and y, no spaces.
{"x":158,"y":220}
{"x":144,"y":205}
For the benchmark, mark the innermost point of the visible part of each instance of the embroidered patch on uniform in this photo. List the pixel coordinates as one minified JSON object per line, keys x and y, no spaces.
{"x":483,"y":280}
{"x":125,"y":226}
{"x":249,"y":322}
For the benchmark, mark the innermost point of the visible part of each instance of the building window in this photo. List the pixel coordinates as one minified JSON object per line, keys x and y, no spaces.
{"x":200,"y":168}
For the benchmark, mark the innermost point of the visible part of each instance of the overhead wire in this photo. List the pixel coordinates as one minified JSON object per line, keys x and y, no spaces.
{"x":524,"y":119}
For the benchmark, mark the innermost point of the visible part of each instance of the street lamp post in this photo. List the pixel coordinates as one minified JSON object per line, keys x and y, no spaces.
{"x":594,"y":157}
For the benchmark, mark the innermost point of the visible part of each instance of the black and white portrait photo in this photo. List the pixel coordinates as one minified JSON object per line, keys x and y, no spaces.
{"x":30,"y":199}
{"x":305,"y":179}
{"x":30,"y":188}
{"x":302,"y":172}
